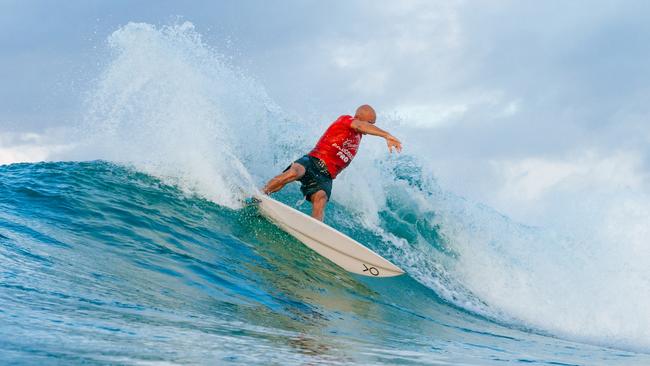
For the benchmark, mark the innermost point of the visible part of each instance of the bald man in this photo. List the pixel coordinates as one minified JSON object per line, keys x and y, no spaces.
{"x":333,"y":153}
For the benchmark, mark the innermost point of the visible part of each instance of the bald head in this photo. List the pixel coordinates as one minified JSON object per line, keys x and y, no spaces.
{"x":365,"y":113}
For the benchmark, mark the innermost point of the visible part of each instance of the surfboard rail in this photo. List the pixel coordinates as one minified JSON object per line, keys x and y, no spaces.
{"x":330,"y":243}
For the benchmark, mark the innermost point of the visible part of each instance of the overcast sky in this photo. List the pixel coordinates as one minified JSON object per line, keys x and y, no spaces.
{"x":495,"y":91}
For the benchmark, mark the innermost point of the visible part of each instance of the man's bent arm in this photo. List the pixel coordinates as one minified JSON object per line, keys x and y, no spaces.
{"x":370,"y":129}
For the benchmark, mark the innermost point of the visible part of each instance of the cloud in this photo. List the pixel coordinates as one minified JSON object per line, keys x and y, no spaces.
{"x":27,"y":147}
{"x":548,"y":189}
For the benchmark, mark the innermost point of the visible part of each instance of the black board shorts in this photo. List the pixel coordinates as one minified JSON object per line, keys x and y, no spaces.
{"x":316,"y":177}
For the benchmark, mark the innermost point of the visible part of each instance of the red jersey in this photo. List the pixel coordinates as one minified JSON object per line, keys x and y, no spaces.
{"x":338,"y":145}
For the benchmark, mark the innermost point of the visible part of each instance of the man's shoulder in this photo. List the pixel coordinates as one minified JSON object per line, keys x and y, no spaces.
{"x":344,"y":119}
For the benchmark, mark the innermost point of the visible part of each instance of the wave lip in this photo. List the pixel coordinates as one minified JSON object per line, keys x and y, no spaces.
{"x":171,"y":106}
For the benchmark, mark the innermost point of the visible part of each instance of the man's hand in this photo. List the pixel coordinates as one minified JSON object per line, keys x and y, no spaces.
{"x":393,"y":143}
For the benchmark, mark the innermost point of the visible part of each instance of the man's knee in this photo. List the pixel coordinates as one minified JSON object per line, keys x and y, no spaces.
{"x":319,"y":198}
{"x":295,"y":171}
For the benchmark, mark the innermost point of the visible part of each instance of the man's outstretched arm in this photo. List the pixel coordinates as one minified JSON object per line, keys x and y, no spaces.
{"x":370,"y":129}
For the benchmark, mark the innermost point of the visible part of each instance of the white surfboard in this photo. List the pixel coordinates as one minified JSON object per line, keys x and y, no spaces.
{"x":326,"y":241}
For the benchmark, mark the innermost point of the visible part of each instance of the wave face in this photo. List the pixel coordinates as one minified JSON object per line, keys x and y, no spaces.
{"x":150,"y":254}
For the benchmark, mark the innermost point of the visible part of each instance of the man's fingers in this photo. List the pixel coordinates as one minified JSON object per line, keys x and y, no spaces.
{"x":397,"y":146}
{"x":394,"y":143}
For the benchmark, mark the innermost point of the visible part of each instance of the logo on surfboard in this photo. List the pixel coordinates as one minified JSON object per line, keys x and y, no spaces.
{"x":373,"y":271}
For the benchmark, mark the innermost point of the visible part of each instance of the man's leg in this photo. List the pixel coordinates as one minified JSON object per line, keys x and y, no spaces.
{"x":318,"y":201}
{"x":295,"y":172}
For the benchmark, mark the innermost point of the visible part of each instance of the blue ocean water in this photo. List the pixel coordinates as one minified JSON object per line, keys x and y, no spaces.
{"x":102,"y":264}
{"x":136,"y":246}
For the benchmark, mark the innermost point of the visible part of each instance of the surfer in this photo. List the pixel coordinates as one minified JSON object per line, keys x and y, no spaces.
{"x":333,"y":153}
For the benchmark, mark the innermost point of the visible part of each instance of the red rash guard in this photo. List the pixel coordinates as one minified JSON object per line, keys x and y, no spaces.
{"x":338,"y":145}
